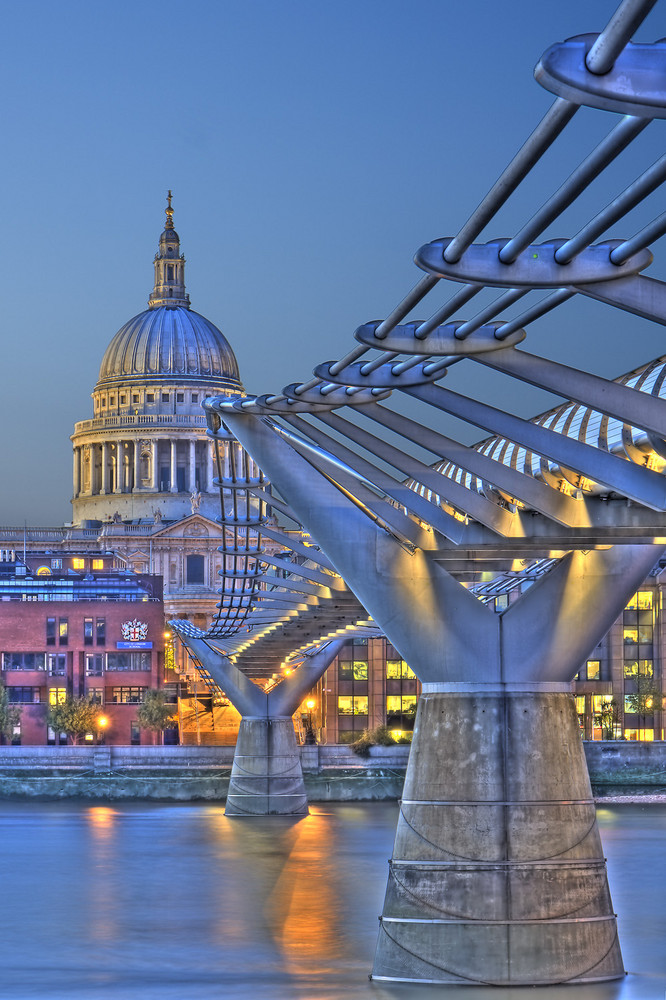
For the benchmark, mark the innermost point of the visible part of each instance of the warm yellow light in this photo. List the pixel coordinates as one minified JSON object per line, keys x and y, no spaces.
{"x":310,"y":703}
{"x":167,"y":635}
{"x":102,"y":722}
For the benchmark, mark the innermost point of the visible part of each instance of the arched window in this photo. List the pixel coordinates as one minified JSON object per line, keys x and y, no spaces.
{"x":195,"y":569}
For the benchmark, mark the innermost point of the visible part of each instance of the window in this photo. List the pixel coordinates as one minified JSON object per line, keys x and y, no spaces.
{"x":56,"y":564}
{"x":135,"y":397}
{"x":78,"y":563}
{"x":639,"y":734}
{"x":98,"y":564}
{"x":94,"y":664}
{"x":195,"y":569}
{"x":50,"y":631}
{"x":356,"y":670}
{"x":87,"y":631}
{"x":127,"y":695}
{"x":57,"y":664}
{"x":123,"y":400}
{"x":593,"y":670}
{"x":100,"y":628}
{"x":165,"y":397}
{"x":150,"y":397}
{"x":63,"y":632}
{"x":126,"y":660}
{"x":96,"y":695}
{"x":135,"y":734}
{"x":24,"y":661}
{"x":24,"y":695}
{"x":642,"y":600}
{"x":57,"y":696}
{"x":638,"y":668}
{"x":180,"y":397}
{"x":112,"y":400}
{"x":352,"y":705}
{"x":195,"y":397}
{"x":398,"y":669}
{"x":401,"y":710}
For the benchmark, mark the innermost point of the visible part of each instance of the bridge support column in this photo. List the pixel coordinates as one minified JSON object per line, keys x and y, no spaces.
{"x":497,"y":874}
{"x":266,"y":776}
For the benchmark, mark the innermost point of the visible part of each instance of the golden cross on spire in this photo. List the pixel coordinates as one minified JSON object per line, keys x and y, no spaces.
{"x":169,"y":212}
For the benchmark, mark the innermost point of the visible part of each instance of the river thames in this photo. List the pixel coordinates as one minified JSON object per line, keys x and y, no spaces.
{"x":154,"y":901}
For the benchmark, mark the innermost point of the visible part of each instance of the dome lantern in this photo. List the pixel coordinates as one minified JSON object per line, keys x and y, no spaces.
{"x":169,"y":290}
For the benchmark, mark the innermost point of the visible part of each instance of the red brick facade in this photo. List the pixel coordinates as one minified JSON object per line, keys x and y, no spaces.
{"x":52,"y":648}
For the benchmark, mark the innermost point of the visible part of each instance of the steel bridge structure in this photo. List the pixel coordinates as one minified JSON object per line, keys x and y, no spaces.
{"x":497,"y":874}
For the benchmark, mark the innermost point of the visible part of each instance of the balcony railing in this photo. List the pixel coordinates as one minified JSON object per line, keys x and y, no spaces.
{"x":141,"y":420}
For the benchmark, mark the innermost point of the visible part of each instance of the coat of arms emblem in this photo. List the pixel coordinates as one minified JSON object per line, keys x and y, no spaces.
{"x":134,"y":631}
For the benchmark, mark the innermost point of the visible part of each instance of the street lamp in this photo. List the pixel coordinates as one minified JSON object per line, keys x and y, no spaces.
{"x":102,"y":723}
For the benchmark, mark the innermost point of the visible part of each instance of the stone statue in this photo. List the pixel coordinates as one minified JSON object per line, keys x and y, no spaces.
{"x":195,"y":501}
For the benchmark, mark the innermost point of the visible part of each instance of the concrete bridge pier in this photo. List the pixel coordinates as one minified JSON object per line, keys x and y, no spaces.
{"x":498,"y":874}
{"x":266,"y":774}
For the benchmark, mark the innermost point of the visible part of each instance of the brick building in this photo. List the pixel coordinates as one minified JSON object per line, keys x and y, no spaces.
{"x":79,"y":625}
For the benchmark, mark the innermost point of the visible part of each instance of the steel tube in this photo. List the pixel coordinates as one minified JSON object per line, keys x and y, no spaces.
{"x":628,"y":199}
{"x":505,"y":300}
{"x":642,"y":239}
{"x":540,"y":309}
{"x":608,"y":149}
{"x":629,"y":15}
{"x":544,"y":135}
{"x":458,"y":300}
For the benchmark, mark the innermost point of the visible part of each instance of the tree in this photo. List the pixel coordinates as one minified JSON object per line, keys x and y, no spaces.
{"x":10,"y":715}
{"x":154,"y":713}
{"x":607,"y":719}
{"x":74,"y":716}
{"x":646,"y":699}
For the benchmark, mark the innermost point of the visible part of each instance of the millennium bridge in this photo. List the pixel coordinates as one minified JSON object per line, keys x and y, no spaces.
{"x":497,"y":875}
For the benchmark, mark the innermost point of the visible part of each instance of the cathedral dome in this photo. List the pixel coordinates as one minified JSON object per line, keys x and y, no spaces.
{"x":169,"y":341}
{"x":165,"y":342}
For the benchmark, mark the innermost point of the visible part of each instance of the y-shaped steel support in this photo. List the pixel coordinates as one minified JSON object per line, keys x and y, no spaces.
{"x":497,"y":874}
{"x":266,"y":776}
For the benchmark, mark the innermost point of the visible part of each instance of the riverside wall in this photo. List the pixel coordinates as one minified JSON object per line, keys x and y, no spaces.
{"x":332,"y":773}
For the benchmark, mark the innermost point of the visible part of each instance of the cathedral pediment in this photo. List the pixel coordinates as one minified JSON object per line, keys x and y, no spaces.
{"x":193,"y":526}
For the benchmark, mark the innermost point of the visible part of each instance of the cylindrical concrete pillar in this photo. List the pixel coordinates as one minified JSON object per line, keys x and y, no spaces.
{"x":266,"y":776}
{"x":498,"y":875}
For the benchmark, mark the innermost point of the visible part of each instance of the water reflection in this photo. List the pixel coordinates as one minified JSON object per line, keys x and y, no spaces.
{"x":144,"y":900}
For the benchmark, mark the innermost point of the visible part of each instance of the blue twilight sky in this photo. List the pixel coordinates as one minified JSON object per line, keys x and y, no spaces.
{"x":312,"y":147}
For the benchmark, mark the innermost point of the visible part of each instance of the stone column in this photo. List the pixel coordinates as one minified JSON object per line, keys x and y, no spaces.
{"x":154,"y":471}
{"x":76,"y":476}
{"x":104,"y":485}
{"x":173,"y":486}
{"x":137,"y":464}
{"x":117,"y":467}
{"x":193,"y":465}
{"x":210,"y":467}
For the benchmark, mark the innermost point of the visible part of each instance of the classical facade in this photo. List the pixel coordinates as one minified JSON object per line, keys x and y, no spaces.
{"x":145,"y":452}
